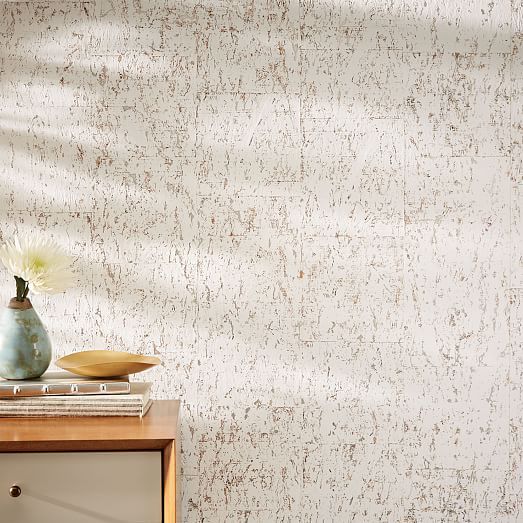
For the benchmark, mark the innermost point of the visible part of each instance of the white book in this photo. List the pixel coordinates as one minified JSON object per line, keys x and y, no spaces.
{"x":61,"y":384}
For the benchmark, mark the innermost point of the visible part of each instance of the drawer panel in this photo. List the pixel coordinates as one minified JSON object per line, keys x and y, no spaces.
{"x":82,"y":487}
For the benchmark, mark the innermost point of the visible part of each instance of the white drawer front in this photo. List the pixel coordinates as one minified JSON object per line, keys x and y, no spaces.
{"x":82,"y":487}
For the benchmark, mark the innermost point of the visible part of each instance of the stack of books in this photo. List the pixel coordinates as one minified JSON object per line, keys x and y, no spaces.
{"x":65,"y":394}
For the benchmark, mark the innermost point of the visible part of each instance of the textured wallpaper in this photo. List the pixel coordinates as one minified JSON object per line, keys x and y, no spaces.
{"x":311,"y":211}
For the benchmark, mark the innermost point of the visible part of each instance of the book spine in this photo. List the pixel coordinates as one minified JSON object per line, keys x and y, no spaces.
{"x":63,"y":389}
{"x":63,"y":414}
{"x":74,"y":410}
{"x":23,"y":413}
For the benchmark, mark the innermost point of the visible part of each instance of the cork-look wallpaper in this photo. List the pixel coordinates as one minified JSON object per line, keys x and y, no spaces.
{"x":311,"y":211}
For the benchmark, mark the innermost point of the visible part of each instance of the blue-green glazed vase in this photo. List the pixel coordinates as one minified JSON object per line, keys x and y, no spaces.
{"x":25,"y":347}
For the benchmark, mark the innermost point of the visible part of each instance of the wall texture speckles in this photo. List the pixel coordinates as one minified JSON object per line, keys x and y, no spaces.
{"x":311,"y":210}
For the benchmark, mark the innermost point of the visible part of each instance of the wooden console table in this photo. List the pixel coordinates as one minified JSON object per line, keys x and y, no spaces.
{"x":90,"y":469}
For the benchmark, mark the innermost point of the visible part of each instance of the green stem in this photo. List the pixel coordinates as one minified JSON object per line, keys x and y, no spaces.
{"x":20,"y":288}
{"x":26,"y":292}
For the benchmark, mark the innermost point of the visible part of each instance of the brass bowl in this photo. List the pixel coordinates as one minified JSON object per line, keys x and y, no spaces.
{"x":106,"y":363}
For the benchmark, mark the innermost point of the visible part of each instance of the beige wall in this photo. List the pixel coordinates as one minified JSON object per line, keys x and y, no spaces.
{"x":311,"y":213}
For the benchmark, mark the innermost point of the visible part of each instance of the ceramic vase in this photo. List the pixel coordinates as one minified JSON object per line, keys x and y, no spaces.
{"x":25,"y":348}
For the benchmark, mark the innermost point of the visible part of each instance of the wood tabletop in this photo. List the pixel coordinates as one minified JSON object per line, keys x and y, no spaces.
{"x":154,"y":430}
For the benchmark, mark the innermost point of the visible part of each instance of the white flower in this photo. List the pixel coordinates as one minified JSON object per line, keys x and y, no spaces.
{"x":38,"y":261}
